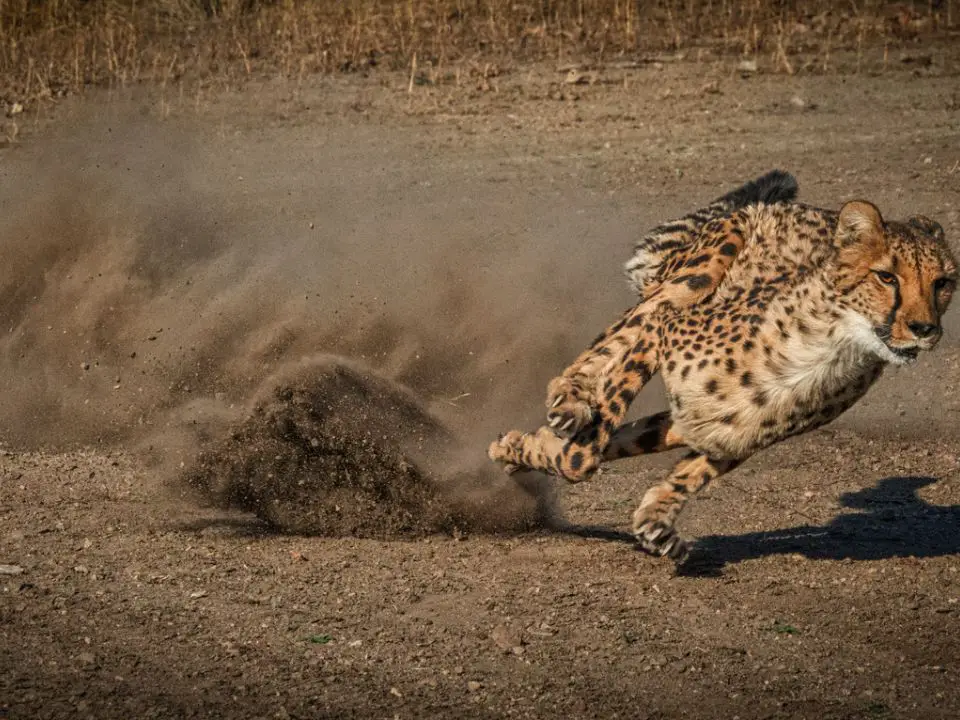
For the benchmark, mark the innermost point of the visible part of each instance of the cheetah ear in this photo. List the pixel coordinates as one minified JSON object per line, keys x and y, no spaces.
{"x":925,"y":224}
{"x":860,"y":222}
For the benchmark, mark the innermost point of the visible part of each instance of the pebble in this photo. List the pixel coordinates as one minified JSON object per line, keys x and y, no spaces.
{"x":506,"y":638}
{"x":473,"y":686}
{"x":710,"y":88}
{"x":10,"y":569}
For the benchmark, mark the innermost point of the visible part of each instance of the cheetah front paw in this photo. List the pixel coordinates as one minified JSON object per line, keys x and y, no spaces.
{"x":569,"y":407}
{"x":659,"y":539}
{"x":506,"y":450}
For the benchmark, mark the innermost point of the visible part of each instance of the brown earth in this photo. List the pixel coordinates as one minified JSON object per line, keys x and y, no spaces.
{"x":321,"y":301}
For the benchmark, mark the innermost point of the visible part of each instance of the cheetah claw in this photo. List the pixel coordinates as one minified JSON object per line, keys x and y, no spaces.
{"x":504,"y":450}
{"x":568,"y":409}
{"x":659,"y":539}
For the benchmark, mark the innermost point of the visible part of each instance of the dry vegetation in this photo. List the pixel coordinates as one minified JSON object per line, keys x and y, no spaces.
{"x":51,"y":48}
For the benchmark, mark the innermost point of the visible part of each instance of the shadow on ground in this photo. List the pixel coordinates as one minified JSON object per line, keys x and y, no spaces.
{"x":894,"y":522}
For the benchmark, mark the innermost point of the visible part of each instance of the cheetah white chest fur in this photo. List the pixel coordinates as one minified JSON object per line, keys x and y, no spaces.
{"x":808,"y":380}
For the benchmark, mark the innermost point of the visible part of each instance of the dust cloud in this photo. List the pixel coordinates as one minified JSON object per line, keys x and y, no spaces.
{"x":188,"y":295}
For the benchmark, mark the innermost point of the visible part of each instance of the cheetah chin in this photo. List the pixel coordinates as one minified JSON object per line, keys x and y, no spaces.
{"x":875,"y":341}
{"x":904,"y":356}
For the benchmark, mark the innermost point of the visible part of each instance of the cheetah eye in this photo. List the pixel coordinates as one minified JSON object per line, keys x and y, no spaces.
{"x":887,"y":278}
{"x":943,"y":283}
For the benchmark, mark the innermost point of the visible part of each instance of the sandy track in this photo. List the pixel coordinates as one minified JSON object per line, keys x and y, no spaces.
{"x":466,"y":246}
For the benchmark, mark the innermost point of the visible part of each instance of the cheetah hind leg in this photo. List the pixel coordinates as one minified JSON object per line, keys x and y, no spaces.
{"x":570,"y":405}
{"x":654,"y":521}
{"x":573,"y":402}
{"x":577,"y":459}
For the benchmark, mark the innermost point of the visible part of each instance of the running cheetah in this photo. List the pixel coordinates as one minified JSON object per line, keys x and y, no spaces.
{"x":766,"y":318}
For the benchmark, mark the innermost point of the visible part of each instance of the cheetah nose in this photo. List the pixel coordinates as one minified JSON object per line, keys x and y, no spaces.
{"x":923,"y":330}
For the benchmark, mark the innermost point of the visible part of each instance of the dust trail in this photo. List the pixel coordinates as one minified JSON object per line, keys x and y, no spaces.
{"x":330,"y":448}
{"x":155,"y":287}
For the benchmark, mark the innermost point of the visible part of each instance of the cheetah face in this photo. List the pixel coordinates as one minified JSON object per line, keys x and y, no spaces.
{"x":896,"y":279}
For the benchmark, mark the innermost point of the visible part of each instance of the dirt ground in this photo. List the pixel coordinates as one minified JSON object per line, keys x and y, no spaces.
{"x":172,"y":260}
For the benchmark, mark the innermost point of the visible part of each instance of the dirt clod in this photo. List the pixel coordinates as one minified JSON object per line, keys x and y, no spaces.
{"x":507,"y":638}
{"x":330,"y":450}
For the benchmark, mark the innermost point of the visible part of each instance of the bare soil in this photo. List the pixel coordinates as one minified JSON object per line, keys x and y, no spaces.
{"x":318,"y":302}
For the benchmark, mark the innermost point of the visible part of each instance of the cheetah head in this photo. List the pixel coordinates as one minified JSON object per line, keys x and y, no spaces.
{"x":895,"y":279}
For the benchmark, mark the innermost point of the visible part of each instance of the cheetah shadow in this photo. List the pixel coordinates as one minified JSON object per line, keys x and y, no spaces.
{"x":893,"y":522}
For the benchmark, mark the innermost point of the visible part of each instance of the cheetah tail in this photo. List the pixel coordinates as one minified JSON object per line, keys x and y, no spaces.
{"x":655,"y":249}
{"x":775,"y":186}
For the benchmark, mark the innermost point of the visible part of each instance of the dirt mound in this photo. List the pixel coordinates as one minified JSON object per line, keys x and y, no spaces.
{"x":332,"y":449}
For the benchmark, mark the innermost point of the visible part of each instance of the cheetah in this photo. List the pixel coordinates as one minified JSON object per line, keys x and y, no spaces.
{"x":766,"y":318}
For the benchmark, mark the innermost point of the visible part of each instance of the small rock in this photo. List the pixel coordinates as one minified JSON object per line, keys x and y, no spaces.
{"x":580,"y":77}
{"x":84,"y":366}
{"x":921,"y":59}
{"x":395,"y":692}
{"x":506,"y":638}
{"x":798,"y":102}
{"x":658,"y":661}
{"x":710,"y":88}
{"x":10,"y":569}
{"x":747,"y":67}
{"x":473,"y":686}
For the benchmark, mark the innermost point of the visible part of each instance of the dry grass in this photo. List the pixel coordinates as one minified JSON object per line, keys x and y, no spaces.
{"x":49,"y":48}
